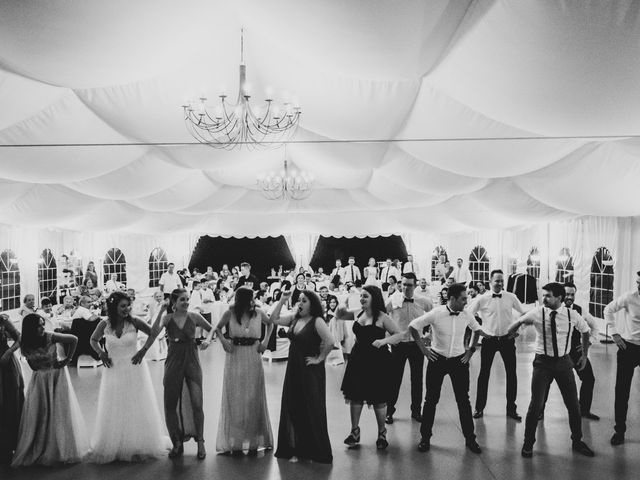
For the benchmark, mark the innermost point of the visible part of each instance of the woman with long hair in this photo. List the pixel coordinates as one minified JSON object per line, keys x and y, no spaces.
{"x":91,"y":274}
{"x":11,"y":389}
{"x":371,"y":273}
{"x":303,"y":413}
{"x":367,"y":376}
{"x":183,"y":411}
{"x":52,"y":429}
{"x":128,"y":423}
{"x":298,"y":287}
{"x":244,"y":417}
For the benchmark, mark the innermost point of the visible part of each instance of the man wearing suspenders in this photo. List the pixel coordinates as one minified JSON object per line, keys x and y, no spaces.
{"x":554,"y":324}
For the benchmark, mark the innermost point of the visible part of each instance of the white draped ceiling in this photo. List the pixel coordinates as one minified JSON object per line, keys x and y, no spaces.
{"x":478,"y":76}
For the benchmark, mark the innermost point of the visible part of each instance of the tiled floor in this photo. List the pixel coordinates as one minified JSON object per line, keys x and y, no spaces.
{"x":500,"y":437}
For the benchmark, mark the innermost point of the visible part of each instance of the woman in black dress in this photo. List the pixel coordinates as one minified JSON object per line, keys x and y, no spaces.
{"x":11,"y":389}
{"x":303,"y":413}
{"x":367,"y":376}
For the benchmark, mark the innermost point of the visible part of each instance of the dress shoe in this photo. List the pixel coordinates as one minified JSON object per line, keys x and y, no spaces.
{"x":176,"y":451}
{"x":513,"y":414}
{"x":617,"y":439}
{"x":381,"y":442}
{"x":591,"y":416}
{"x":417,"y":417}
{"x":473,"y":446}
{"x":527,"y":452}
{"x":354,"y":437}
{"x":478,"y":414}
{"x":424,"y":445}
{"x":582,"y":449}
{"x":388,"y":419}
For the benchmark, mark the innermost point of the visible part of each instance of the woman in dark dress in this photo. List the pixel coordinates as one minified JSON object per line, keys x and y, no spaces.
{"x":303,"y":413}
{"x":183,"y":411}
{"x":11,"y":390}
{"x":367,"y":376}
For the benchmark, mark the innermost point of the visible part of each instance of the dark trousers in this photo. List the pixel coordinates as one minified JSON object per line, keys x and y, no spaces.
{"x":587,"y":379}
{"x":400,"y":353}
{"x":628,"y":360}
{"x":459,"y":374}
{"x":507,"y":349}
{"x":545,"y":370}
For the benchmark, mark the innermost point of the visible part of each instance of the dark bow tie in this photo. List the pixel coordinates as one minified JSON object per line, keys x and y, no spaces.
{"x":451,"y":312}
{"x":498,"y":295}
{"x":410,"y":300}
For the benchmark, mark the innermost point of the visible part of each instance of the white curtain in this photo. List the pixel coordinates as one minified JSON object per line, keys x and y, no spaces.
{"x":302,"y":247}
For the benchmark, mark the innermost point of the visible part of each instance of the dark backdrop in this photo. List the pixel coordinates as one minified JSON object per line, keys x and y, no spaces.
{"x":262,"y":253}
{"x":329,"y":249}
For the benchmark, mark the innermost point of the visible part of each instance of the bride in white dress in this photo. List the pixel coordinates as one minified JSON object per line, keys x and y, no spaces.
{"x":128,"y":422}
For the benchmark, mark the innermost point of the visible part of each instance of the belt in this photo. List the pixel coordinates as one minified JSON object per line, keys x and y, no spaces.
{"x":182,"y":340}
{"x":244,"y":341}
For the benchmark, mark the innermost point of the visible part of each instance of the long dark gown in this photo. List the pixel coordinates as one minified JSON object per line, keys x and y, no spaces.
{"x":11,"y":394}
{"x":303,"y":413}
{"x":182,"y":366}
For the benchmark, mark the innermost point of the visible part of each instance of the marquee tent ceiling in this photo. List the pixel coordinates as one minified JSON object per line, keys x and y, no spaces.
{"x":510,"y":103}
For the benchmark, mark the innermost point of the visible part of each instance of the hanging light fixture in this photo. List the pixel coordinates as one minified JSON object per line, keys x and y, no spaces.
{"x":286,"y":184}
{"x":227,"y":125}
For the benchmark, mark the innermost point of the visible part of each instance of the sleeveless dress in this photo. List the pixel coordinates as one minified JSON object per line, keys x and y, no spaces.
{"x":52,"y":429}
{"x":244,"y":416}
{"x":372,"y":272}
{"x":128,"y":422}
{"x":303,"y":412}
{"x":367,"y":375}
{"x":182,"y":365}
{"x":11,"y":394}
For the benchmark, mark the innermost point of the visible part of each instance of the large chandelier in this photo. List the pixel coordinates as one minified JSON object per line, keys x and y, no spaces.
{"x":227,"y":125}
{"x":286,"y":184}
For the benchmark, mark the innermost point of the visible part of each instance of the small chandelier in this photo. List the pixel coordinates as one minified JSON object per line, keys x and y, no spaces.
{"x":226,"y":125}
{"x":286,"y":184}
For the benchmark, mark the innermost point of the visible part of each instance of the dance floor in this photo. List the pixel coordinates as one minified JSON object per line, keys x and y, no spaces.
{"x":501,"y":438}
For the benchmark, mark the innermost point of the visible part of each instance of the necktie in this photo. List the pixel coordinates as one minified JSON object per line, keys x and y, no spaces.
{"x":386,"y":278}
{"x":410,"y":300}
{"x":353,"y":278}
{"x":496,"y":295}
{"x":554,"y":332}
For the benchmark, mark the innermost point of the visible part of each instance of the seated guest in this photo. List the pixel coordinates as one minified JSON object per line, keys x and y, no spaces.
{"x":444,"y":295}
{"x":91,"y":274}
{"x":482,"y":288}
{"x":112,"y":284}
{"x":320,"y":275}
{"x":28,"y":305}
{"x":83,"y":325}
{"x":46,"y":312}
{"x":392,"y":286}
{"x":422,"y":287}
{"x":68,"y":307}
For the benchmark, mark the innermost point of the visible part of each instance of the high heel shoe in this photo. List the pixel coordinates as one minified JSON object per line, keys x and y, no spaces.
{"x":202,"y":453}
{"x":381,"y":442}
{"x":177,"y":450}
{"x":353,"y":438}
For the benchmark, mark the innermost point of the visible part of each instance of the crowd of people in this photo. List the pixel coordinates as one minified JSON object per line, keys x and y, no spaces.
{"x":393,"y":315}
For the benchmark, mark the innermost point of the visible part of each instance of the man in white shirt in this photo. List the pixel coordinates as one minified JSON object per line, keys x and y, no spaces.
{"x":389,"y":270}
{"x":410,"y":266}
{"x":447,"y":356}
{"x":461,"y":273}
{"x":628,"y":353}
{"x":496,"y":311}
{"x":554,"y":324}
{"x":403,"y":310}
{"x":351,"y":271}
{"x":337,"y":272}
{"x":169,"y":281}
{"x":83,"y":325}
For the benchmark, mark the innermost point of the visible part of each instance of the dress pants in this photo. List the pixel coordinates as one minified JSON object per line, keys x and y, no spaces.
{"x":459,"y":374}
{"x":545,"y":370}
{"x":628,"y":360}
{"x":400,"y":353}
{"x":507,"y":348}
{"x":587,"y":379}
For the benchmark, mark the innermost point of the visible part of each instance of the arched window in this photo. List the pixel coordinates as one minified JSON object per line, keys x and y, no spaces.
{"x":479,"y":264}
{"x":115,"y":262}
{"x":157,"y":266}
{"x":48,"y":276}
{"x":435,"y":258}
{"x":601,"y":291}
{"x":564,"y":266}
{"x":533,"y":263}
{"x":9,"y":280}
